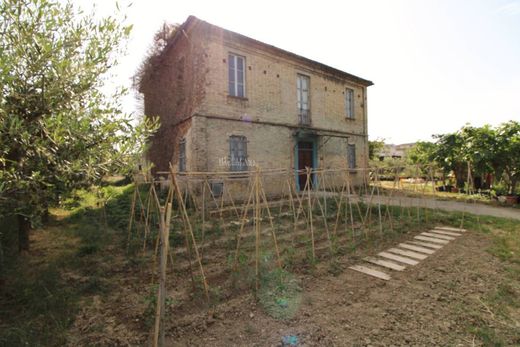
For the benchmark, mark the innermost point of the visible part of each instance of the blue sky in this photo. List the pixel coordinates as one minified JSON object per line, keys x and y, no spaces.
{"x":436,"y":64}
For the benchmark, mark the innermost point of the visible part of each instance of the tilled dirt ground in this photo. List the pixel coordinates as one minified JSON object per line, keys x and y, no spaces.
{"x":437,"y":302}
{"x":442,"y":301}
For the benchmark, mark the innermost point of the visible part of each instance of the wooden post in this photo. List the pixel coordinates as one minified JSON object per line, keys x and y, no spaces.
{"x":165,"y":217}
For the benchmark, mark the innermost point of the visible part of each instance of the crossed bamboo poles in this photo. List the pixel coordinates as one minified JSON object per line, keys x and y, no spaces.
{"x":302,"y":203}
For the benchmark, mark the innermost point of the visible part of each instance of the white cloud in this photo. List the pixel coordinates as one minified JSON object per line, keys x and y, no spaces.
{"x":509,"y":9}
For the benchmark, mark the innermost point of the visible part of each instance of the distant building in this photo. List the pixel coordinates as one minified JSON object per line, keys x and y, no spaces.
{"x":395,"y":151}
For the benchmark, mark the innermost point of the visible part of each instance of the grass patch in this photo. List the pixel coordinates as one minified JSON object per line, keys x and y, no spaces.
{"x":280,"y":294}
{"x":42,"y":291}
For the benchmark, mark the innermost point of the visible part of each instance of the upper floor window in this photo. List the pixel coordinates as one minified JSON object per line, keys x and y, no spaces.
{"x":349,"y":103}
{"x":351,"y":156}
{"x":182,"y":155}
{"x":238,"y":153}
{"x":236,"y":75}
{"x":302,"y":86}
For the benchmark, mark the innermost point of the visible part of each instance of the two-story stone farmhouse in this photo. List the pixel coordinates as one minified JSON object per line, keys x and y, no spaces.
{"x":227,"y":102}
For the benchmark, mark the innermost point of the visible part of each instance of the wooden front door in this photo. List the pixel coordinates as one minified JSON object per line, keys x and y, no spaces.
{"x":305,"y":159}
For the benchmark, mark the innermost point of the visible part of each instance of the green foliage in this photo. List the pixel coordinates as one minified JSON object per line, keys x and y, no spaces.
{"x":151,"y":305}
{"x":421,"y":153}
{"x":375,"y":147}
{"x":46,"y":307}
{"x":487,"y":149}
{"x":508,"y":153}
{"x":279,"y":294}
{"x":59,"y":129}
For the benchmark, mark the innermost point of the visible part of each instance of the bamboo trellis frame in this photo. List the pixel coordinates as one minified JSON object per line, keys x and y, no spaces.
{"x":332,"y":200}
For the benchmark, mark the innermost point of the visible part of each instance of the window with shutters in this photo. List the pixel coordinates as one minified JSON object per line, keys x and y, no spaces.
{"x":349,"y":103}
{"x":182,"y":155}
{"x":351,"y":156}
{"x":238,"y":153}
{"x":236,"y":75}
{"x":302,"y":87}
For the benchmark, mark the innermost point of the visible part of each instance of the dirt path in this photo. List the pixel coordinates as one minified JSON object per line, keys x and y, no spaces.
{"x":474,"y":208}
{"x":438,"y":302}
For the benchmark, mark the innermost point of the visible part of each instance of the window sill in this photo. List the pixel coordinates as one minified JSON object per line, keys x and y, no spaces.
{"x":350,"y":118}
{"x":238,"y":98}
{"x":238,"y":174}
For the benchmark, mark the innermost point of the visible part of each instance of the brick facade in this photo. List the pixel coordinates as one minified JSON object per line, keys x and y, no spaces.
{"x":189,"y":92}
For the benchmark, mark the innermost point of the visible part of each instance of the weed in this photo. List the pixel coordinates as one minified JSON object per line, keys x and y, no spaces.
{"x":27,"y":299}
{"x":250,"y":329}
{"x":151,"y":305}
{"x":488,"y":336}
{"x":280,"y":294}
{"x":335,"y":268}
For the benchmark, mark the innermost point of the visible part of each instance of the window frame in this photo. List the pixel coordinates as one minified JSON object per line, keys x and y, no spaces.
{"x":304,"y":115}
{"x":351,"y":149}
{"x":234,"y":91}
{"x":182,"y":155}
{"x":349,"y":104}
{"x":242,"y":160}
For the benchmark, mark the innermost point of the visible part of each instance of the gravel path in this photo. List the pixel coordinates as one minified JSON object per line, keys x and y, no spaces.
{"x":474,"y":208}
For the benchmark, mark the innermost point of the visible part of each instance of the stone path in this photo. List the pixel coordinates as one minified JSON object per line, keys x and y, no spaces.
{"x":409,"y":253}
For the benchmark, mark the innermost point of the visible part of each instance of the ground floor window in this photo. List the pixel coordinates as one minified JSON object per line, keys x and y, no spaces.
{"x":238,"y":153}
{"x":351,"y":156}
{"x":182,"y":155}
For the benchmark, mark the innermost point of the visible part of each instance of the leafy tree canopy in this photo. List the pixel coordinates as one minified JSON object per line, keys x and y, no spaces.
{"x":487,"y":149}
{"x":58,"y":128}
{"x":375,"y":147}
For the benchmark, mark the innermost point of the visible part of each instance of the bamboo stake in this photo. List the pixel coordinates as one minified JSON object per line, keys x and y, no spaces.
{"x":300,"y":207}
{"x":349,"y":201}
{"x":325,"y":223}
{"x":232,"y":201}
{"x":222,"y":223}
{"x":147,"y":219}
{"x":183,"y":210}
{"x":257,"y":233}
{"x":416,"y":179}
{"x":273,"y":233}
{"x":354,"y":192}
{"x":203,"y":227}
{"x":242,"y":224}
{"x":291,"y":202}
{"x":132,"y":211}
{"x":161,"y":294}
{"x":379,"y":202}
{"x":310,"y":212}
{"x":338,"y":212}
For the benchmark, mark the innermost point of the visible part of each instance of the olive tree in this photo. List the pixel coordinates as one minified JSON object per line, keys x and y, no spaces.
{"x":59,"y":128}
{"x":507,"y":155}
